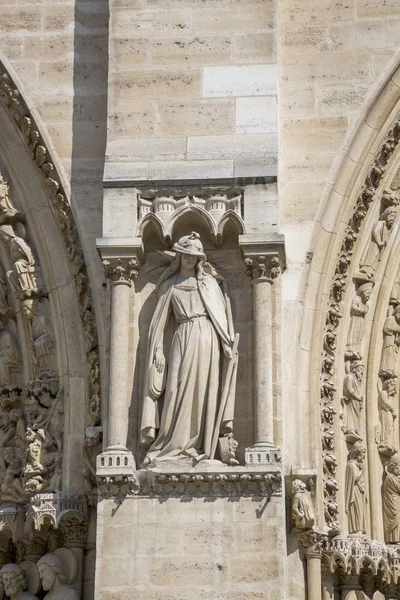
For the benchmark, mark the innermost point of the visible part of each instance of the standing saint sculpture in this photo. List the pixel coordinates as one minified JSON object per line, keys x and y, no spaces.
{"x":356,"y":499}
{"x":391,"y":501}
{"x":191,"y":361}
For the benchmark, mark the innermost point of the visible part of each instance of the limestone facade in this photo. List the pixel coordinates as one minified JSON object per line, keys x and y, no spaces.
{"x":199,"y":299}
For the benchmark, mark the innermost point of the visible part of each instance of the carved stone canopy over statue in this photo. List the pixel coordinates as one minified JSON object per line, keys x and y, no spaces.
{"x":54,"y":578}
{"x":14,"y":583}
{"x":191,"y":360}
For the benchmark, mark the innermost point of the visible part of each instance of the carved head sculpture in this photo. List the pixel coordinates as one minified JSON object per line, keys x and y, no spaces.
{"x":357,"y":368}
{"x":298,"y":486}
{"x":365,"y":291}
{"x":50,"y":568}
{"x":28,"y":307}
{"x":92,"y":436}
{"x":6,"y":232}
{"x":13,"y":579}
{"x":358,"y":452}
{"x":389,"y":215}
{"x":393,"y":465}
{"x":190,"y":244}
{"x":396,"y":313}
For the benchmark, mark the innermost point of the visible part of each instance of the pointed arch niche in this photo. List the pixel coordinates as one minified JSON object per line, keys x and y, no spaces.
{"x":49,"y":380}
{"x":354,"y":277}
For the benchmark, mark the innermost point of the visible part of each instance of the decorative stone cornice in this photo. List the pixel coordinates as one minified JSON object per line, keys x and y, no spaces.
{"x":118,"y":486}
{"x":121,"y":270}
{"x":41,"y":156}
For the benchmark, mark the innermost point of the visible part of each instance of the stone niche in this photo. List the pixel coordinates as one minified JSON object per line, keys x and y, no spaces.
{"x":208,"y":528}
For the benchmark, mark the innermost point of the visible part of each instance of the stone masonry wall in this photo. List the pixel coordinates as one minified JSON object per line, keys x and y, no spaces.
{"x":186,"y":549}
{"x":193,"y":87}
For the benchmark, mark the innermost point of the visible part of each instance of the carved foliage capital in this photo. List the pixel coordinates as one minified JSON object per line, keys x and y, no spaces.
{"x":263,"y":267}
{"x":121,"y":270}
{"x":74,"y":532}
{"x":314,"y":543}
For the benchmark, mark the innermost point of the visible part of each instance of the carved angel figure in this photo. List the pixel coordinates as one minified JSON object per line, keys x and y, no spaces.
{"x":302,"y":507}
{"x":23,"y":276}
{"x":52,"y":574}
{"x":13,"y":580}
{"x":391,"y":341}
{"x":379,"y":239}
{"x":391,"y":500}
{"x":353,"y":400}
{"x":356,"y":499}
{"x":191,"y":361}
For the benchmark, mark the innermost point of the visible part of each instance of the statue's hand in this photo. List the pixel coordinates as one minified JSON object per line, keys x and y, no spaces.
{"x":159,"y":360}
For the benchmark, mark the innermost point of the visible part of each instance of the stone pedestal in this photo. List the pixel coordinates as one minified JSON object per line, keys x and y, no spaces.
{"x":205,"y":532}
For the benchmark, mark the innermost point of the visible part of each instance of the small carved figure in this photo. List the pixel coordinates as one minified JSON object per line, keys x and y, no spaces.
{"x":391,"y":500}
{"x":358,"y":310}
{"x":13,"y":579}
{"x":7,"y":432}
{"x":352,"y":399}
{"x":379,"y":239}
{"x":387,"y":389}
{"x":92,"y":449}
{"x":7,"y":210}
{"x":42,"y":334}
{"x":302,"y":506}
{"x":195,"y":370}
{"x":11,"y":486}
{"x":391,"y":341}
{"x":356,"y":499}
{"x":22,"y":277}
{"x":9,"y":355}
{"x":53,"y":576}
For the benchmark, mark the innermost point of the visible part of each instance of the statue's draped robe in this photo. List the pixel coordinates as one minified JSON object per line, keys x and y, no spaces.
{"x":391,"y":508}
{"x":355,"y":498}
{"x":191,"y":325}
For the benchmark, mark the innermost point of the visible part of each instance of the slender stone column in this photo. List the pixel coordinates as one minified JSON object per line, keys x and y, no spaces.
{"x":313,"y":542}
{"x":121,"y":272}
{"x":263,"y":270}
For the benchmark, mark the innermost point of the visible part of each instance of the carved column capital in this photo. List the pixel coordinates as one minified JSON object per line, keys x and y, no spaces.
{"x":121,"y":270}
{"x":74,"y":532}
{"x":314,"y":543}
{"x":263,"y":268}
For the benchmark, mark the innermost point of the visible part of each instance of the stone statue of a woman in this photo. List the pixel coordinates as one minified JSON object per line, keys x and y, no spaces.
{"x":191,"y":361}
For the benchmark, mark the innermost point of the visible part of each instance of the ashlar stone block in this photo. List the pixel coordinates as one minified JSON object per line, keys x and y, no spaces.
{"x":251,"y":80}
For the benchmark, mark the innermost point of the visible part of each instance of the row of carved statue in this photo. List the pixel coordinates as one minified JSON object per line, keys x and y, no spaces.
{"x":19,"y":583}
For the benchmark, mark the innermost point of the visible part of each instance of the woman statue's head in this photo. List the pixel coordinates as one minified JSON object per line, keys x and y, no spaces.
{"x":50,"y":567}
{"x":190,"y":245}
